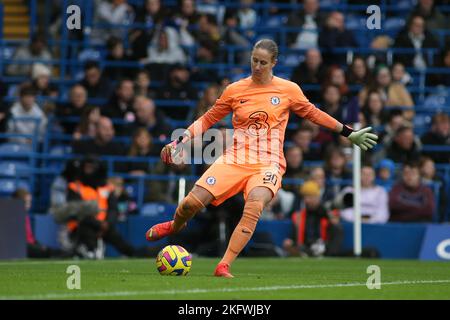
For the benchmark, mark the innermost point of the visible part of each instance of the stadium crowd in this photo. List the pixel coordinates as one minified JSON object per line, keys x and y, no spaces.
{"x":111,"y":100}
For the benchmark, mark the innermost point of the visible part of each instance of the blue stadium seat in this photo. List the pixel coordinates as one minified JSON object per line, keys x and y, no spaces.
{"x":158,"y":209}
{"x":15,"y":148}
{"x":8,"y":186}
{"x":12,"y":168}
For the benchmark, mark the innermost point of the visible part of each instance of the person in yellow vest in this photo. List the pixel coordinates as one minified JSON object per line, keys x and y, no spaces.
{"x":97,"y":219}
{"x":316,"y":230}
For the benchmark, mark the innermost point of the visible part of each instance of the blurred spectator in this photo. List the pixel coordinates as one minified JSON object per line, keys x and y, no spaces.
{"x":40,"y":75}
{"x":95,"y":83}
{"x":416,"y":37}
{"x":379,"y":45}
{"x":116,"y":54}
{"x":358,"y":73}
{"x":433,"y":17}
{"x":394,"y":94}
{"x":310,"y":20}
{"x":142,"y":84}
{"x":294,"y":167}
{"x":178,"y":87}
{"x":373,"y":109}
{"x":409,"y":199}
{"x":400,"y":75}
{"x":443,"y":61}
{"x":404,"y":147}
{"x":185,"y":19}
{"x":141,"y":146}
{"x":102,"y":144}
{"x":150,"y":118}
{"x":34,"y":248}
{"x":208,"y":37}
{"x":110,"y":19}
{"x":430,"y":176}
{"x":34,"y":121}
{"x":334,"y":35}
{"x":336,"y":76}
{"x":165,"y":49}
{"x":4,"y":108}
{"x":231,"y":36}
{"x":374,"y":200}
{"x":317,"y":174}
{"x":36,"y":50}
{"x":303,"y":138}
{"x":311,"y":71}
{"x":120,"y":104}
{"x":149,"y":19}
{"x":332,"y":104}
{"x":87,"y":128}
{"x":75,"y":107}
{"x":338,"y":176}
{"x":98,"y":200}
{"x":125,"y":204}
{"x":439,"y":135}
{"x":209,"y":97}
{"x":316,"y":231}
{"x":247,"y":15}
{"x":386,"y":173}
{"x":396,"y":120}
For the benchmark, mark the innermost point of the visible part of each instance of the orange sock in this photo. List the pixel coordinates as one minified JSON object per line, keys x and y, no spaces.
{"x":186,"y":210}
{"x":244,"y":230}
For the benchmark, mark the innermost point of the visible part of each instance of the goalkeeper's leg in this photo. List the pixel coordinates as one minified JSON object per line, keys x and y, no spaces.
{"x":195,"y":201}
{"x":243,"y":232}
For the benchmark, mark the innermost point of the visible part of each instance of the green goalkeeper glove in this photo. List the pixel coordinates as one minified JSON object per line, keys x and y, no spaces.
{"x":363,"y":138}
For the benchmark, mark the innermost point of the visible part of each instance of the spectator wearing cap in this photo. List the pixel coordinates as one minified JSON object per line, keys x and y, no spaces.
{"x":26,"y":117}
{"x":36,"y":50}
{"x":40,"y":75}
{"x":439,"y":135}
{"x":316,"y":231}
{"x":385,"y":173}
{"x":374,"y":200}
{"x":410,"y":200}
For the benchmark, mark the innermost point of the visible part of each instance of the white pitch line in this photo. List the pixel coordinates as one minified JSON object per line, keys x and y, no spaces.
{"x":199,"y":290}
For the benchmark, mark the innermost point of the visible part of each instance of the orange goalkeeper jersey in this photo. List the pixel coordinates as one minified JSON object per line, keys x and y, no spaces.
{"x":260,"y":117}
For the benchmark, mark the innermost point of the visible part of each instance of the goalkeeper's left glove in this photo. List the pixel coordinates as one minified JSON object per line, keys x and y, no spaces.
{"x":362,"y":138}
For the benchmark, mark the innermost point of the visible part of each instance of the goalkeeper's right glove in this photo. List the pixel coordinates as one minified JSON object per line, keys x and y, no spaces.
{"x":362,"y":138}
{"x":169,"y":151}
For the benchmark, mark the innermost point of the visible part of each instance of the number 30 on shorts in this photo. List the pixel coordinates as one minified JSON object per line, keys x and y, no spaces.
{"x":270,"y":177}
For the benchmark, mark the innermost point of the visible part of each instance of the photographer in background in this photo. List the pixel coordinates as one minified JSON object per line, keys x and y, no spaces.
{"x":316,"y":230}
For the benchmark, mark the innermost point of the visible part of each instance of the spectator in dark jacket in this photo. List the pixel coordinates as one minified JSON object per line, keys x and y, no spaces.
{"x":409,"y":199}
{"x":75,"y":107}
{"x":102,"y":144}
{"x":417,"y":37}
{"x":96,"y":85}
{"x":311,"y":71}
{"x":117,"y":54}
{"x":120,"y":105}
{"x":151,"y":118}
{"x":439,"y":135}
{"x":404,"y":147}
{"x":334,"y":35}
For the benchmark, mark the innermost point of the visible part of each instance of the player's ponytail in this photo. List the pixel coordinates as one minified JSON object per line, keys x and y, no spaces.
{"x":268,"y":45}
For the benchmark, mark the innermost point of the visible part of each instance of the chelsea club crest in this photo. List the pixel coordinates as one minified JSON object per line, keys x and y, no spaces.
{"x":275,"y":101}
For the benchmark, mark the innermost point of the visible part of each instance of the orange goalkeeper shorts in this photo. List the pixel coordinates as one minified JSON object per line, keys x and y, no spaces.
{"x":224,"y":180}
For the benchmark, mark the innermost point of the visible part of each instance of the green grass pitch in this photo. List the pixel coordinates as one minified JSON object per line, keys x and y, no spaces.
{"x":255,"y":278}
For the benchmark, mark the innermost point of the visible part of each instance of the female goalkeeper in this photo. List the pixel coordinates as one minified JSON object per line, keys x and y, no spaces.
{"x":255,"y":162}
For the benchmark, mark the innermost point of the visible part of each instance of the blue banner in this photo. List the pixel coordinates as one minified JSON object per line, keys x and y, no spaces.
{"x":436,"y":243}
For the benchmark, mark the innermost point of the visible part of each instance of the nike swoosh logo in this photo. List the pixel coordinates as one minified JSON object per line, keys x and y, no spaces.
{"x":243,"y":100}
{"x":245,"y":231}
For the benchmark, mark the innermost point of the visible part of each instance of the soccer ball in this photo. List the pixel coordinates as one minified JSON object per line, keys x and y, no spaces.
{"x":173,"y":260}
